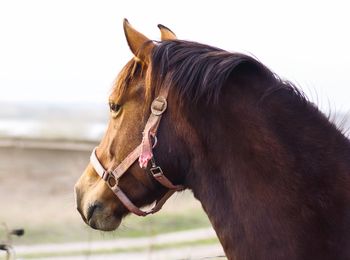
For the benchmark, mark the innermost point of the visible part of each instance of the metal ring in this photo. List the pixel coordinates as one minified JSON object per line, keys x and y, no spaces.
{"x":111,"y":181}
{"x":155,"y":141}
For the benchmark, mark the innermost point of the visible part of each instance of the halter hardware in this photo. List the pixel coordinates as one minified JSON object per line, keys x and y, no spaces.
{"x":158,"y":106}
{"x":156,"y":171}
{"x":110,"y":180}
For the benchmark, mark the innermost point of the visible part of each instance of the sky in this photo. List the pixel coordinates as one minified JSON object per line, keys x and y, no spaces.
{"x":72,"y":50}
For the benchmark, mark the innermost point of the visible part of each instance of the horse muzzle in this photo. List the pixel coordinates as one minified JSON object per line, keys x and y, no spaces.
{"x":98,"y":214}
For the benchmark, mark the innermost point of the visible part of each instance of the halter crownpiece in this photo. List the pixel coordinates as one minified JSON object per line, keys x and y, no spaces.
{"x":144,"y":154}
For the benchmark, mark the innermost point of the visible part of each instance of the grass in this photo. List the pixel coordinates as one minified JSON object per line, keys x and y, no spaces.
{"x":132,"y":226}
{"x":45,"y":206}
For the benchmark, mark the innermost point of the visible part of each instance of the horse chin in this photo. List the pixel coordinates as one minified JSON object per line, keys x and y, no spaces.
{"x":104,"y":223}
{"x":102,"y":217}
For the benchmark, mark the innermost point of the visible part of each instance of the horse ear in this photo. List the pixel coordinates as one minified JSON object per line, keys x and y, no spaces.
{"x":139,"y":44}
{"x":166,"y":33}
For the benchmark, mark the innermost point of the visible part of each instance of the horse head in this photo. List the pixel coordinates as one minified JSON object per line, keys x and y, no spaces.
{"x":97,"y":193}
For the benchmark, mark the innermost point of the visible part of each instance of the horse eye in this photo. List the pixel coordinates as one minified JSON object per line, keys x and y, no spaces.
{"x":114,"y":107}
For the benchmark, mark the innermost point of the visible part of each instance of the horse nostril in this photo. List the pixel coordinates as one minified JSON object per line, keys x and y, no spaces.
{"x":91,"y":211}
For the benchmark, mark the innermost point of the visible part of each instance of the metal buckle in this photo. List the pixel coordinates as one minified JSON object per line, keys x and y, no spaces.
{"x":156,"y":171}
{"x":158,"y":106}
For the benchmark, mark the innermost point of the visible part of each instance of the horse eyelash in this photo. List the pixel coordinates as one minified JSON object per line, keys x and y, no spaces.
{"x":114,"y":107}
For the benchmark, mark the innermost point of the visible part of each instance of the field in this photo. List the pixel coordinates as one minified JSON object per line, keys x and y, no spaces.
{"x":37,"y":179}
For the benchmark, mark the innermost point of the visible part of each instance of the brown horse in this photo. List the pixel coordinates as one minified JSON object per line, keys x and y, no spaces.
{"x":272,"y":173}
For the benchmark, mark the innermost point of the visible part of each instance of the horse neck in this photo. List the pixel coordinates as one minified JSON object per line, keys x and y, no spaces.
{"x":244,"y":165}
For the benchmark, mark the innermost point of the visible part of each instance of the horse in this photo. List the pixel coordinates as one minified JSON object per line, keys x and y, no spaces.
{"x":271,"y":171}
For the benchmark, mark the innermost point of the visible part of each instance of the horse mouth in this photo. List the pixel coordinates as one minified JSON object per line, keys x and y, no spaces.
{"x":100,"y":218}
{"x":110,"y":223}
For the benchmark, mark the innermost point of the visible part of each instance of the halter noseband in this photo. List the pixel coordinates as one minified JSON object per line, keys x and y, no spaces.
{"x":144,"y":154}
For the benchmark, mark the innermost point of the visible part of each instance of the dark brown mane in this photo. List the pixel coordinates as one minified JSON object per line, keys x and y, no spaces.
{"x":199,"y":71}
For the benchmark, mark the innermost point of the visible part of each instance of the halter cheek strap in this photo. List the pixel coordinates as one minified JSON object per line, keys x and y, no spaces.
{"x":158,"y":107}
{"x":144,"y":154}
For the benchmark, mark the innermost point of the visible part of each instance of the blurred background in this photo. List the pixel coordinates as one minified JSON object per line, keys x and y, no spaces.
{"x":58,"y":61}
